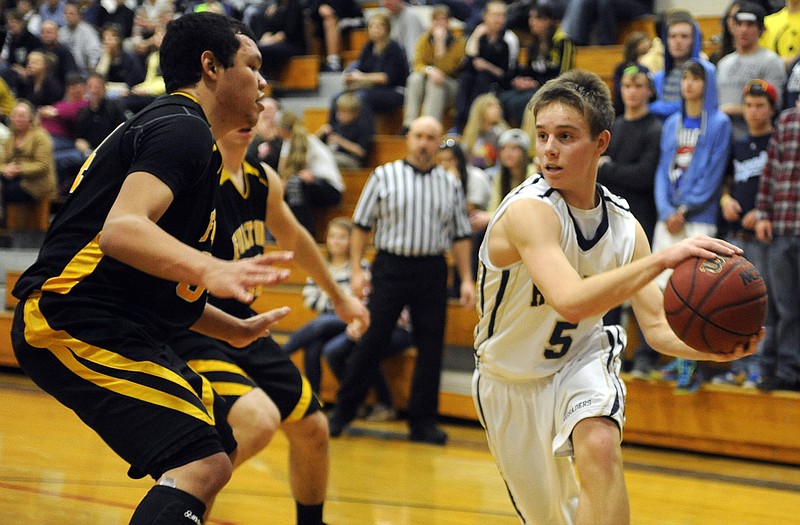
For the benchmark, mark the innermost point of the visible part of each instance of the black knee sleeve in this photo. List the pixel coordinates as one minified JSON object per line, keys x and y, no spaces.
{"x":168,"y":506}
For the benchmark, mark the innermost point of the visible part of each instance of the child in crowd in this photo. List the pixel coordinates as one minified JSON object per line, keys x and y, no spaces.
{"x":349,"y":134}
{"x":338,"y":350}
{"x":319,"y":331}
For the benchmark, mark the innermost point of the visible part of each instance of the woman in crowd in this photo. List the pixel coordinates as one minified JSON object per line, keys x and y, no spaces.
{"x":483,"y":128}
{"x":311,"y":177}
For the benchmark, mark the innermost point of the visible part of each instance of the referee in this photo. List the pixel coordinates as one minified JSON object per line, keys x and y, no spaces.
{"x":418,"y":211}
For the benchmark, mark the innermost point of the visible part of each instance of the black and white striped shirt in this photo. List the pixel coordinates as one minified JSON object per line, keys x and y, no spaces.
{"x":414,"y":213}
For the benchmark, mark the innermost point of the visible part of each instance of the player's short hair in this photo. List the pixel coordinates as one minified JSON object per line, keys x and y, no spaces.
{"x":192,"y":34}
{"x":582,"y":90}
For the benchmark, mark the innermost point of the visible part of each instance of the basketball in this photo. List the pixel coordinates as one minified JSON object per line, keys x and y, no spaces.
{"x":714,"y":304}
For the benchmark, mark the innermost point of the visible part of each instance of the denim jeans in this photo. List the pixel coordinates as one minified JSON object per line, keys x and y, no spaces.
{"x":784,"y":274}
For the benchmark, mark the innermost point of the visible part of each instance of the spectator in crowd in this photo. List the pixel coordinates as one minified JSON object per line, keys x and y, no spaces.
{"x":636,"y":46}
{"x":81,"y":38}
{"x":489,"y":58}
{"x":749,"y":60}
{"x":53,"y":10}
{"x":332,"y":20}
{"x":120,"y":68}
{"x":6,"y":101}
{"x":311,"y":178}
{"x":432,"y":85}
{"x":739,"y":215}
{"x":312,"y":336}
{"x":65,"y":62}
{"x":18,"y":43}
{"x":406,"y":26}
{"x":694,"y":153}
{"x":409,"y":270}
{"x":684,"y":43}
{"x":474,"y":181}
{"x":483,"y":129}
{"x":117,"y":13}
{"x":339,"y":349}
{"x":379,"y":76}
{"x":792,"y":92}
{"x":550,"y":53}
{"x":60,"y":121}
{"x":601,"y":18}
{"x":30,"y":16}
{"x":97,"y":120}
{"x":628,"y":169}
{"x":141,"y":94}
{"x":149,"y":16}
{"x":477,"y":188}
{"x":778,"y":208}
{"x":782,"y":32}
{"x":511,"y":170}
{"x":266,"y":144}
{"x":26,"y":160}
{"x":725,"y":39}
{"x":37,"y":81}
{"x":281,"y":33}
{"x":350,"y":134}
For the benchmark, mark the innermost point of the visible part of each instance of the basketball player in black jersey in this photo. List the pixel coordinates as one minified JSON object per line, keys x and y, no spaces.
{"x":124,"y":267}
{"x":262,"y":386}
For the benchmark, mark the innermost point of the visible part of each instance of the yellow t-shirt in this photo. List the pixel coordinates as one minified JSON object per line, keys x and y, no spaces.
{"x":782,"y":33}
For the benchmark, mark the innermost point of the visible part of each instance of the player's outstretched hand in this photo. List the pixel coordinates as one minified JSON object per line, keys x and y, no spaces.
{"x":698,"y":246}
{"x":256,"y":327}
{"x":350,"y":309}
{"x":237,"y":279}
{"x":741,"y":350}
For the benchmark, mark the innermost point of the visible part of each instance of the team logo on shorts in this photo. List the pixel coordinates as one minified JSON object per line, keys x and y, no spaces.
{"x":576,"y":407}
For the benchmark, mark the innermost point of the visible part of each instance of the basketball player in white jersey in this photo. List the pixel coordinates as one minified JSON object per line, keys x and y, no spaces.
{"x":558,"y":254}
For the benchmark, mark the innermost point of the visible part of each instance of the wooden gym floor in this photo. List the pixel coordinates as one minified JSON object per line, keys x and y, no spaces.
{"x":55,"y":470}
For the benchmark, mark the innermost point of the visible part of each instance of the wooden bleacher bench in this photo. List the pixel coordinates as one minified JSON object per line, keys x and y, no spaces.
{"x":300,"y":74}
{"x":33,"y":216}
{"x":601,"y":60}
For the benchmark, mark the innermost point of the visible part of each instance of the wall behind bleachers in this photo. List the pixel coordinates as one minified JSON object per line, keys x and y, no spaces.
{"x":704,"y":8}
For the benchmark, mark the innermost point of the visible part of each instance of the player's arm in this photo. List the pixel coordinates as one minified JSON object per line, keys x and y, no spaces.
{"x":291,"y":235}
{"x":131,"y":235}
{"x":572,"y":296}
{"x":237,"y":332}
{"x":648,"y":305}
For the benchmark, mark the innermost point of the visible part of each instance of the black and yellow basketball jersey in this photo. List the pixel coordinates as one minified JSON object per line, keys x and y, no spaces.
{"x":170,"y":139}
{"x":241,"y":230}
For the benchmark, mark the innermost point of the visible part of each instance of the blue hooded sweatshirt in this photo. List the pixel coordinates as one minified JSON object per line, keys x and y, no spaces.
{"x":700,"y":185}
{"x":662,"y":108}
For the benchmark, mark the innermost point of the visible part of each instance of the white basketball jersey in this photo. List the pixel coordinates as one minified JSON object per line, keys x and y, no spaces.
{"x":519,"y":336}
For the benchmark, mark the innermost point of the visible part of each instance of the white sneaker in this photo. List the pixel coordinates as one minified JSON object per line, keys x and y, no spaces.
{"x":381,"y":413}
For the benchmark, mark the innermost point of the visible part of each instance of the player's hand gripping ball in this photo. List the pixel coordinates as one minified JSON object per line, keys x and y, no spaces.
{"x":714,"y":304}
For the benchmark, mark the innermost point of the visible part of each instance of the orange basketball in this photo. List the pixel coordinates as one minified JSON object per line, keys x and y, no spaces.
{"x":714,"y":304}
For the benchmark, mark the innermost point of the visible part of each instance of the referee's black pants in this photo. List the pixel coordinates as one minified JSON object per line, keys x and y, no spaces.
{"x":420,"y":283}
